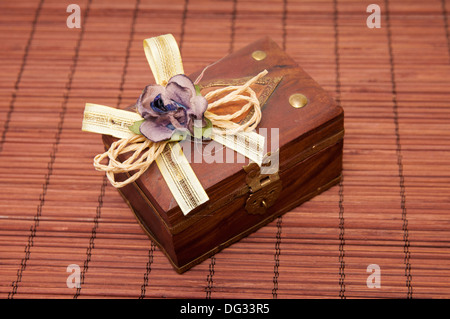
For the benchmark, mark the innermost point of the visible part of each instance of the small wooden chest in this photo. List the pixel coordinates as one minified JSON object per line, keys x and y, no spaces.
{"x":310,"y":130}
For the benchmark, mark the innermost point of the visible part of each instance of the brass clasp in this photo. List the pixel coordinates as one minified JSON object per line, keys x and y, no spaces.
{"x":264,"y":188}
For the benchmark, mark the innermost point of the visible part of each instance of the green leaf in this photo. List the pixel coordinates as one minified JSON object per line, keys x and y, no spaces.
{"x":197,"y":90}
{"x":178,"y":136}
{"x":204,"y":131}
{"x":207,"y":130}
{"x":135,"y":127}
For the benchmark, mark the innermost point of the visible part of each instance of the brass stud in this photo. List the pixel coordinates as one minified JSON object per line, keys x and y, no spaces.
{"x":259,"y":55}
{"x":298,"y":100}
{"x":263,"y":202}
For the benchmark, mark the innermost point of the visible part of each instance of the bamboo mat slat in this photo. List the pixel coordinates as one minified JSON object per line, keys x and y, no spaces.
{"x":392,"y":208}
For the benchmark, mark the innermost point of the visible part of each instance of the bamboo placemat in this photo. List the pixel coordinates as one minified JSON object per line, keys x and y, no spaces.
{"x":392,"y":208}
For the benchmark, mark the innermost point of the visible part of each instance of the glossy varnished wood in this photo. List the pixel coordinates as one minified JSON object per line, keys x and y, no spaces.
{"x":304,"y":169}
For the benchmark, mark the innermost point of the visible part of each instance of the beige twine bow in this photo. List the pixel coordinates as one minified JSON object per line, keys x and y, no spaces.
{"x":144,"y":151}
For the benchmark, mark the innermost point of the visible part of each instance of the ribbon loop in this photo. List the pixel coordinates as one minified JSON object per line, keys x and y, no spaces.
{"x":164,"y":58}
{"x":107,"y":120}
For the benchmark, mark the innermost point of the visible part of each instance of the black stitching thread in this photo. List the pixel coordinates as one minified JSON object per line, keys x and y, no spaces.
{"x":148,"y":270}
{"x":341,"y":241}
{"x":127,"y":54}
{"x":341,"y":184}
{"x":233,"y":27}
{"x":399,"y":161}
{"x":276,"y":257}
{"x":92,"y":238}
{"x":279,"y":224}
{"x":183,"y":24}
{"x":283,"y":23}
{"x":50,"y":164}
{"x":447,"y":35}
{"x":91,"y":245}
{"x":209,"y":278}
{"x":19,"y":75}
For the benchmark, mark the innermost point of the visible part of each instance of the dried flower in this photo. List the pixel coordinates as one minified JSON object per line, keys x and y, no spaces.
{"x":173,"y":108}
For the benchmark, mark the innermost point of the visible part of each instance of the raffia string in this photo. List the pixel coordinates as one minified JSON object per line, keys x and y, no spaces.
{"x":236,"y":95}
{"x":144,"y":152}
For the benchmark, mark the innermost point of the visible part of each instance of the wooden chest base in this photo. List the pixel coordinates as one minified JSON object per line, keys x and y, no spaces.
{"x":201,"y":245}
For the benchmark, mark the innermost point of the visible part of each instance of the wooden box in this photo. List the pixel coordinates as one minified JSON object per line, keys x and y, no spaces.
{"x":241,"y":200}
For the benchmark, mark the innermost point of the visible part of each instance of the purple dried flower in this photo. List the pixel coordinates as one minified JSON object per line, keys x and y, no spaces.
{"x":170,"y":109}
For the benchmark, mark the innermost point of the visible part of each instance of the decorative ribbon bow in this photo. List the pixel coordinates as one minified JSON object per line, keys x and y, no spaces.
{"x":165,"y":62}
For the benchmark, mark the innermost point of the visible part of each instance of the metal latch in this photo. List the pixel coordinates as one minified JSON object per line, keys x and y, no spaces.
{"x":264,"y":184}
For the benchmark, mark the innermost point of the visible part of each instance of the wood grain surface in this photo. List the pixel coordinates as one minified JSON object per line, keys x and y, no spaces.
{"x":391,"y":209}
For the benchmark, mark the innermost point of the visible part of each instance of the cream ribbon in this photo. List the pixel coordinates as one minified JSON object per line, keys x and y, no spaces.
{"x":165,"y":61}
{"x":164,"y":58}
